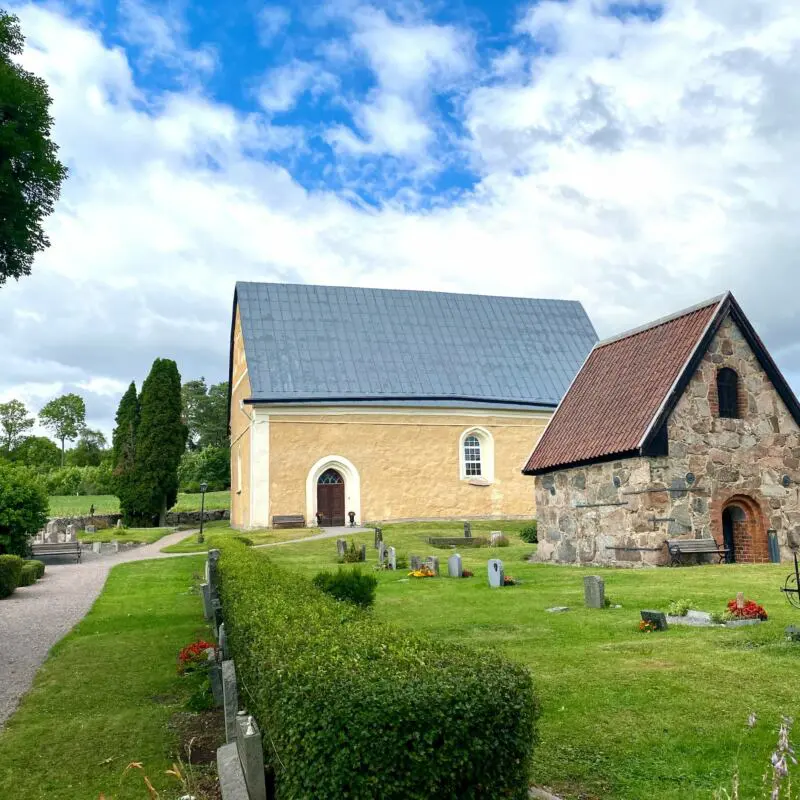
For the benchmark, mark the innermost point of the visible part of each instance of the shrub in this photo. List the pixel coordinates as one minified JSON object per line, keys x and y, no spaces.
{"x":679,"y":608}
{"x":326,"y":681}
{"x":39,"y":565}
{"x":501,"y":541}
{"x":350,"y":585}
{"x":27,"y":575}
{"x":352,"y":555}
{"x":530,"y":533}
{"x":23,"y":508}
{"x":10,"y":573}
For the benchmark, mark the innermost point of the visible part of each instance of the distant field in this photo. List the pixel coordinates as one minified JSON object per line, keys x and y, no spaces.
{"x":70,"y":506}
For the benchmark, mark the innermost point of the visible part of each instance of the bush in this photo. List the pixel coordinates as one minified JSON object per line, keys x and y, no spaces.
{"x":23,"y":508}
{"x":352,"y":555}
{"x":326,"y":682}
{"x":27,"y":576}
{"x":500,"y":541}
{"x":352,"y":586}
{"x":679,"y":608}
{"x":39,"y":566}
{"x":10,"y":573}
{"x":530,"y":533}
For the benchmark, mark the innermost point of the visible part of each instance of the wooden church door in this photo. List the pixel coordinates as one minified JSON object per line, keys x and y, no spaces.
{"x":330,"y":497}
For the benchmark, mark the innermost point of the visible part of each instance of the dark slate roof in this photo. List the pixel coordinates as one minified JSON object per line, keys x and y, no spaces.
{"x":315,"y":343}
{"x":630,"y":384}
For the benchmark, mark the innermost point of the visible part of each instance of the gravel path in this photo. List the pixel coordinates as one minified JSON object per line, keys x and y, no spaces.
{"x":327,"y":533}
{"x":35,"y":617}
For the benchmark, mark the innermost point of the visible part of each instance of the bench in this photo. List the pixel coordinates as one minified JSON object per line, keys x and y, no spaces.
{"x":679,"y":547}
{"x":289,"y":521}
{"x":59,"y":549}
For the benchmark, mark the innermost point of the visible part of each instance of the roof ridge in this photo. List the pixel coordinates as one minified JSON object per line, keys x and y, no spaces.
{"x":714,"y":301}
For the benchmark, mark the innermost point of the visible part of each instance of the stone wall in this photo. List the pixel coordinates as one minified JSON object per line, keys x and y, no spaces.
{"x":736,"y":462}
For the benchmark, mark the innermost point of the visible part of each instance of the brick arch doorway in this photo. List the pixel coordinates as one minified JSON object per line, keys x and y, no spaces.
{"x":744,"y":531}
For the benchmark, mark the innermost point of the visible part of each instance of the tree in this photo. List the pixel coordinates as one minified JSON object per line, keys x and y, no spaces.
{"x":14,"y":421}
{"x":37,"y":452}
{"x":23,"y":508}
{"x":65,"y":418}
{"x":30,"y":172}
{"x":123,"y":454}
{"x":205,"y":411}
{"x":160,"y":440}
{"x":89,"y":450}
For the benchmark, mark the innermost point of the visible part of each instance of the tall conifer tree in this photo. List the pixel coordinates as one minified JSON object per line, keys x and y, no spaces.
{"x":160,"y":440}
{"x":124,"y":454}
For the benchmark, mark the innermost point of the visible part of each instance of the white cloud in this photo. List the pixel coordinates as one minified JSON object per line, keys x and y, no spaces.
{"x":271,"y":21}
{"x":282,"y":86}
{"x":638,"y":170}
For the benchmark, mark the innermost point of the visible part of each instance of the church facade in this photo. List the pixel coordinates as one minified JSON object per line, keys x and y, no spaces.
{"x":682,"y":429}
{"x":392,"y":405}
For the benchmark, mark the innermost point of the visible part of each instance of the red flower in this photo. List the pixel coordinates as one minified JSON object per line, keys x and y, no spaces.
{"x":750,"y":610}
{"x":193,"y":655}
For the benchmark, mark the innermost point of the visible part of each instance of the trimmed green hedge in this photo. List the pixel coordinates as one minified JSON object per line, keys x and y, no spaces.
{"x":352,"y":707}
{"x":27,"y":576}
{"x":350,"y":585}
{"x":10,"y":572}
{"x":39,"y":565}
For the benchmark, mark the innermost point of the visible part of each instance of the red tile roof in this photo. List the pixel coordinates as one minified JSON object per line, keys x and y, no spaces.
{"x":620,"y":390}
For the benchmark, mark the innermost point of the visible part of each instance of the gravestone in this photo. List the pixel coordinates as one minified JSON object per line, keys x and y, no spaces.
{"x":557,"y":609}
{"x":414,"y":563}
{"x":594,"y":591}
{"x":215,"y":677}
{"x":251,"y":755}
{"x":71,"y":534}
{"x":495,"y":537}
{"x":381,"y":552}
{"x":467,"y":530}
{"x":222,"y":637}
{"x":51,"y":532}
{"x":392,"y":558}
{"x":378,"y":536}
{"x":206,"y":592}
{"x":739,"y":600}
{"x":455,"y":568}
{"x":97,"y":547}
{"x":90,"y":529}
{"x":496,"y":575}
{"x":432,"y":562}
{"x":363,"y":553}
{"x":230,"y":698}
{"x":216,"y":613}
{"x":213,"y":577}
{"x":341,"y":547}
{"x":114,"y":546}
{"x":119,"y":522}
{"x":658,"y":618}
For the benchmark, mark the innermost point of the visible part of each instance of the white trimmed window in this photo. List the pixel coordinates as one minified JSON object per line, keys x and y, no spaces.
{"x":476,"y":455}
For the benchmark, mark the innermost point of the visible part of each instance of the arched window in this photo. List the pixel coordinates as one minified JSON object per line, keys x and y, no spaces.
{"x":472,"y":456}
{"x":329,"y":478}
{"x":728,"y":393}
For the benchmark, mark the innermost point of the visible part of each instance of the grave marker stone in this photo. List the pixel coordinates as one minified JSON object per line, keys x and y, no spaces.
{"x":392,"y":558}
{"x":495,"y":537}
{"x":414,"y":563}
{"x":432,"y":562}
{"x":363,"y":553}
{"x":341,"y":547}
{"x":251,"y":755}
{"x":90,"y":529}
{"x":206,"y":592}
{"x":119,"y":523}
{"x":96,"y":547}
{"x":467,"y":530}
{"x":455,"y":568}
{"x":594,"y":591}
{"x":381,"y":552}
{"x":71,"y":534}
{"x":230,"y":698}
{"x":222,"y":638}
{"x":496,"y":574}
{"x":213,"y":577}
{"x":378,"y":535}
{"x":658,"y":618}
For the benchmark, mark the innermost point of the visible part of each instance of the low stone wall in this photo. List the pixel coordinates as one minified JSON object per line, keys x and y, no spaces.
{"x":193,"y":517}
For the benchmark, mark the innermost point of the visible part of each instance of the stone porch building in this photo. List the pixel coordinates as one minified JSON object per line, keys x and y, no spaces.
{"x":683,"y":428}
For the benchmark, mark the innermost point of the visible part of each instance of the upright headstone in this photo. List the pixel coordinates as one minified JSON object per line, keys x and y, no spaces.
{"x":341,"y":547}
{"x":230,"y":697}
{"x":97,"y":547}
{"x":71,"y":534}
{"x":594,"y":591}
{"x":455,"y":569}
{"x":432,"y":563}
{"x":381,"y":552}
{"x":213,"y":576}
{"x":740,"y":600}
{"x":378,"y":535}
{"x":467,"y":530}
{"x":657,"y":618}
{"x":114,"y":546}
{"x":414,"y":562}
{"x":251,"y":755}
{"x":222,"y":637}
{"x":90,"y":529}
{"x":206,"y":592}
{"x":119,"y":522}
{"x":495,"y":537}
{"x":496,"y":575}
{"x":215,"y":677}
{"x":392,"y":558}
{"x":216,"y":609}
{"x":363,"y":553}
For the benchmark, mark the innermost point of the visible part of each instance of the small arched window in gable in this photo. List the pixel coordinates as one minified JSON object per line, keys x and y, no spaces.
{"x":472,"y":456}
{"x":728,"y":393}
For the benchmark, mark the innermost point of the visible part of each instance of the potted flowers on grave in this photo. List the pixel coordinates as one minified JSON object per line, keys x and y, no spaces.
{"x":194,"y":657}
{"x":746,"y":609}
{"x":467,"y":574}
{"x":422,"y":572}
{"x":508,"y":581}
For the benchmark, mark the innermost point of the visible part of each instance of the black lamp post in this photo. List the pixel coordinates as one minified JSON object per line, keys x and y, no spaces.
{"x":203,"y":490}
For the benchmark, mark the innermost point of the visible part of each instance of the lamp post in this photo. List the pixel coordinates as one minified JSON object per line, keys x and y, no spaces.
{"x":203,"y":490}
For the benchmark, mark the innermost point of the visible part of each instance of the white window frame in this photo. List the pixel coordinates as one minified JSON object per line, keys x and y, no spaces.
{"x":486,"y":442}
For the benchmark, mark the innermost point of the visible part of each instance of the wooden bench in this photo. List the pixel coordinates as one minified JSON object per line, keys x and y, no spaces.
{"x":59,"y":549}
{"x":680,"y":547}
{"x":289,"y":521}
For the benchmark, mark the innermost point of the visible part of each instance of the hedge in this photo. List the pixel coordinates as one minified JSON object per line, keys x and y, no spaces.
{"x":39,"y":566}
{"x":350,"y":585}
{"x":352,"y":707}
{"x":27,"y":576}
{"x":10,"y":572}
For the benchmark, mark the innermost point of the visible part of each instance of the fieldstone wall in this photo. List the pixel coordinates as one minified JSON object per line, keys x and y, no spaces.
{"x":622,"y":512}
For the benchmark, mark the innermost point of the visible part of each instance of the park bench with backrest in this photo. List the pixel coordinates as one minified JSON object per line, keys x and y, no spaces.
{"x":58,"y":549}
{"x":681,"y":547}
{"x":289,"y":521}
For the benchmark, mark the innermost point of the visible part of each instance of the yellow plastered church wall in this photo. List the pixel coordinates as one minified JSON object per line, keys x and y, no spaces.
{"x":240,"y":421}
{"x":408,"y":462}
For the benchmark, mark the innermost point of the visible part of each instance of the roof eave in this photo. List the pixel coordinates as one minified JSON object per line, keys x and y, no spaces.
{"x":586,"y":462}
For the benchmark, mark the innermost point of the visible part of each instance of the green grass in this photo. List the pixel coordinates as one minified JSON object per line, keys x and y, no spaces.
{"x":215,"y":529}
{"x":75,"y":506}
{"x":107,"y":691}
{"x":143,"y":535}
{"x":625,"y":715}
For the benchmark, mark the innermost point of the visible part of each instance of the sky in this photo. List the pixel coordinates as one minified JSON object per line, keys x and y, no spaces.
{"x":637,"y":156}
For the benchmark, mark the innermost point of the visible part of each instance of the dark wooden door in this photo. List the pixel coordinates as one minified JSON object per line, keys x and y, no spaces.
{"x":727,"y":535}
{"x":330,"y":497}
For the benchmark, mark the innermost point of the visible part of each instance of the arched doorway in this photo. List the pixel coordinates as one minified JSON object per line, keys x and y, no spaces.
{"x":744,"y":531}
{"x":330,"y":497}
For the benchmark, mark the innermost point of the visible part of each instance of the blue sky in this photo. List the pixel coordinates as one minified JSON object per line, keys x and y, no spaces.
{"x":638,"y":157}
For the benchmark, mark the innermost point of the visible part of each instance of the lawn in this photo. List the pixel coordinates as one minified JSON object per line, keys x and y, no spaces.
{"x":625,"y":715}
{"x":107,"y":692}
{"x":143,"y":535}
{"x":213,"y":530}
{"x":75,"y":506}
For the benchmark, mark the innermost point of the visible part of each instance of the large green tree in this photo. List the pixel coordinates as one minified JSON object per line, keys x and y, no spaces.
{"x":90,"y":449}
{"x":205,"y":411}
{"x":123,"y":454}
{"x":160,"y":440}
{"x":30,"y":172}
{"x":65,"y":418}
{"x":23,"y":508}
{"x":15,"y":422}
{"x":38,"y":452}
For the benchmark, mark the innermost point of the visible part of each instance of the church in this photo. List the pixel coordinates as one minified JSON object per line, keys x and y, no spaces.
{"x":384,"y":405}
{"x":683,"y":429}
